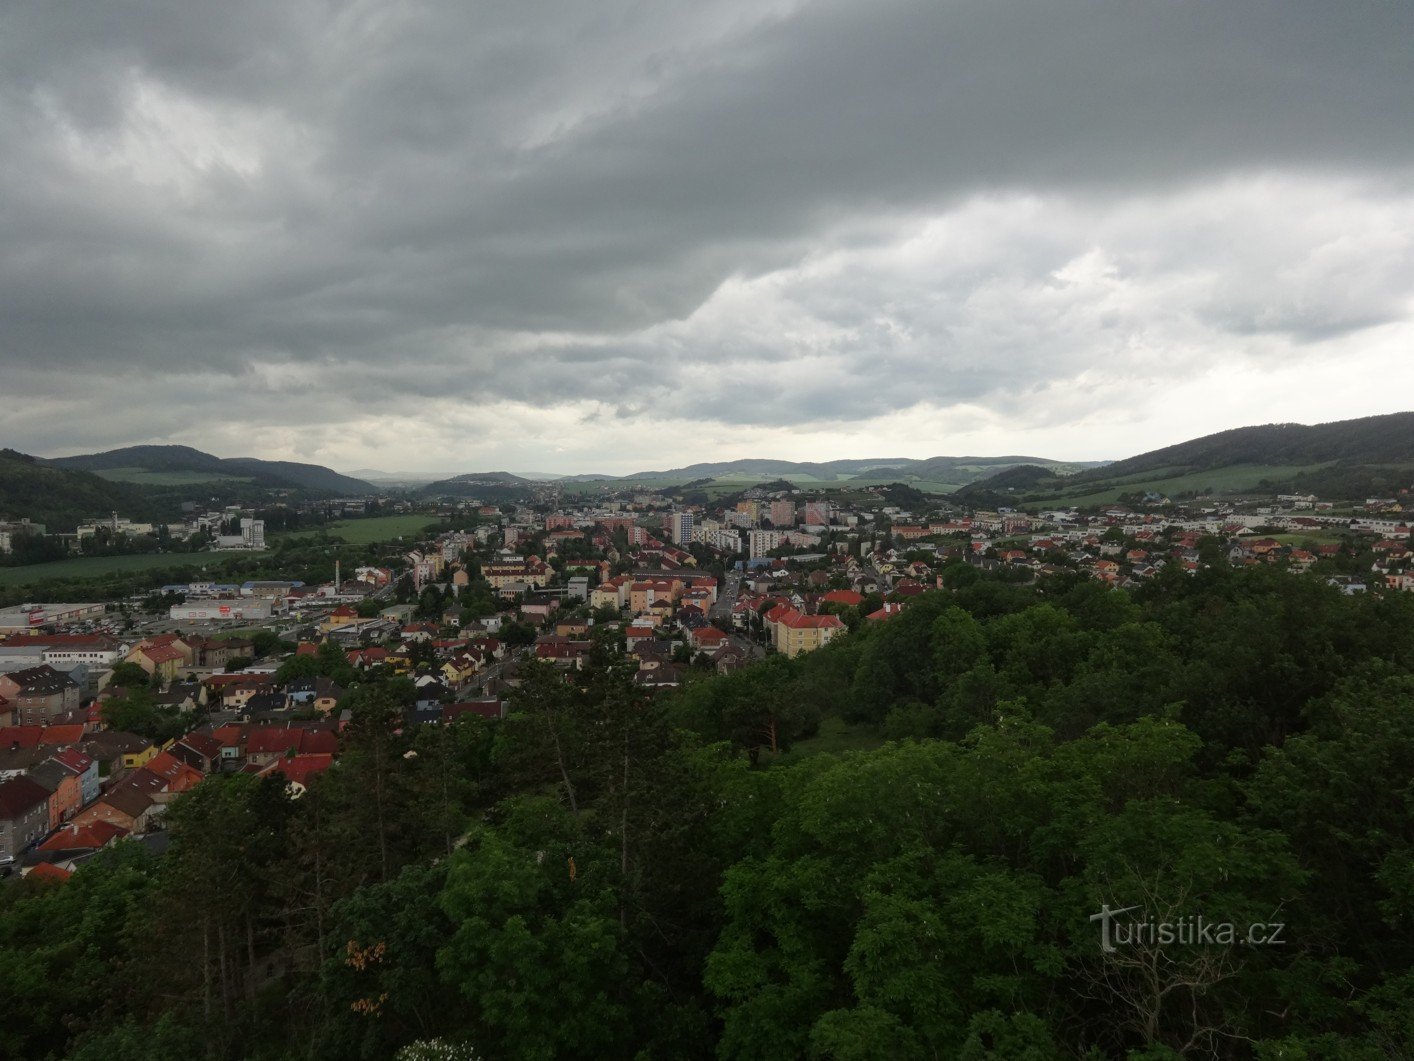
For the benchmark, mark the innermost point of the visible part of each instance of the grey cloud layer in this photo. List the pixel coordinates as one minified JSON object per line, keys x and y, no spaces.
{"x":537,"y":201}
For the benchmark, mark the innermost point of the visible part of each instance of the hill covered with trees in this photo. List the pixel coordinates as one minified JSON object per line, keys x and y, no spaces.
{"x":141,"y":461}
{"x":58,"y":497}
{"x":1368,"y":440}
{"x":1346,"y":459}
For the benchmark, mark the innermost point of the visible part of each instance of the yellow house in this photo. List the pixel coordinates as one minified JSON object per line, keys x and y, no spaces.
{"x":159,"y":661}
{"x":796,"y":633}
{"x":400,"y":659}
{"x":459,"y":668}
{"x":133,"y":760}
{"x":341,"y":616}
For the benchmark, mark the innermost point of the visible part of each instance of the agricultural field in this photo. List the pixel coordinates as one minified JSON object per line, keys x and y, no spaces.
{"x":369,"y":531}
{"x":81,"y":567}
{"x":144,"y":477}
{"x":1234,"y":479}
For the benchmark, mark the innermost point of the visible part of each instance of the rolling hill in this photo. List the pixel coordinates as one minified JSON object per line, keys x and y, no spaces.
{"x":762,"y":468}
{"x":488,"y":485}
{"x":168,"y":465}
{"x":1344,"y":459}
{"x":1368,"y":440}
{"x":952,"y":471}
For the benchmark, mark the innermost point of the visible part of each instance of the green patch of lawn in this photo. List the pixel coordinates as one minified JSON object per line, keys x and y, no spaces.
{"x":1319,"y":537}
{"x":371,"y":530}
{"x":154,"y":478}
{"x":1239,"y":478}
{"x":835,"y":735}
{"x":81,"y":567}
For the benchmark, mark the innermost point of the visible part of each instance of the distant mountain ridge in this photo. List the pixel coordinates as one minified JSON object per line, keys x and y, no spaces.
{"x":758,"y":466}
{"x":881,"y":469}
{"x":314,"y":478}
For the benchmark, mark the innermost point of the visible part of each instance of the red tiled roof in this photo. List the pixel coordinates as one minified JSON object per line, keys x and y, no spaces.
{"x":61,"y":735}
{"x":300,"y":768}
{"x":97,"y":833}
{"x":49,"y":872}
{"x":74,"y":759}
{"x":162,"y":654}
{"x":486,"y":709}
{"x":319,"y":742}
{"x":796,"y":621}
{"x":203,"y":744}
{"x":885,"y":612}
{"x":178,"y":775}
{"x":264,"y":741}
{"x":24,"y":737}
{"x":229,"y":735}
{"x":779,"y":613}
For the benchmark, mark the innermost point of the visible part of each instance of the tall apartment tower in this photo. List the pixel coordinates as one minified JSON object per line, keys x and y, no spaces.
{"x":253,"y":533}
{"x":681,"y":527}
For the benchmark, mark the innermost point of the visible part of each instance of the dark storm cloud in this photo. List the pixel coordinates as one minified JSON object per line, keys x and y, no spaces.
{"x":537,"y":201}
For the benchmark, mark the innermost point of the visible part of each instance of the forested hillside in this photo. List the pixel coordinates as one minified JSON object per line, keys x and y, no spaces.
{"x":58,"y":497}
{"x":1370,"y":439}
{"x":143,"y":461}
{"x":604,"y":875}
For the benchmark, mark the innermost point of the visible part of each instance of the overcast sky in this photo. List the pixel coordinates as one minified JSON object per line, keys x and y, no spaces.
{"x":559,"y":235}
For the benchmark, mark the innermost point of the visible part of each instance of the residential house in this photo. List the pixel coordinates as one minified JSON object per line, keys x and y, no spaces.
{"x":24,"y":814}
{"x":563,"y":652}
{"x":85,"y":768}
{"x":116,"y":751}
{"x":489,"y":707}
{"x":200,"y":751}
{"x":298,"y":769}
{"x":708,"y":639}
{"x":340,"y":616}
{"x":73,"y":839}
{"x":36,"y":695}
{"x":184,"y":696}
{"x":321,"y":694}
{"x":64,"y":788}
{"x":214,"y":653}
{"x":795,"y":632}
{"x":130,"y":803}
{"x":161,"y":662}
{"x":538,"y":609}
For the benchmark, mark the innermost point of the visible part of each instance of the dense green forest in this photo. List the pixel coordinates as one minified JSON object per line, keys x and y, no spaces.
{"x":604,"y":875}
{"x":60,"y":498}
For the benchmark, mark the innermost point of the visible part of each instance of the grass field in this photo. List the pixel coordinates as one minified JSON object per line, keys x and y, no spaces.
{"x":1319,"y":537}
{"x":151,"y":478}
{"x":836,"y":735}
{"x":98,"y":566}
{"x":373,"y":529}
{"x":1235,"y":479}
